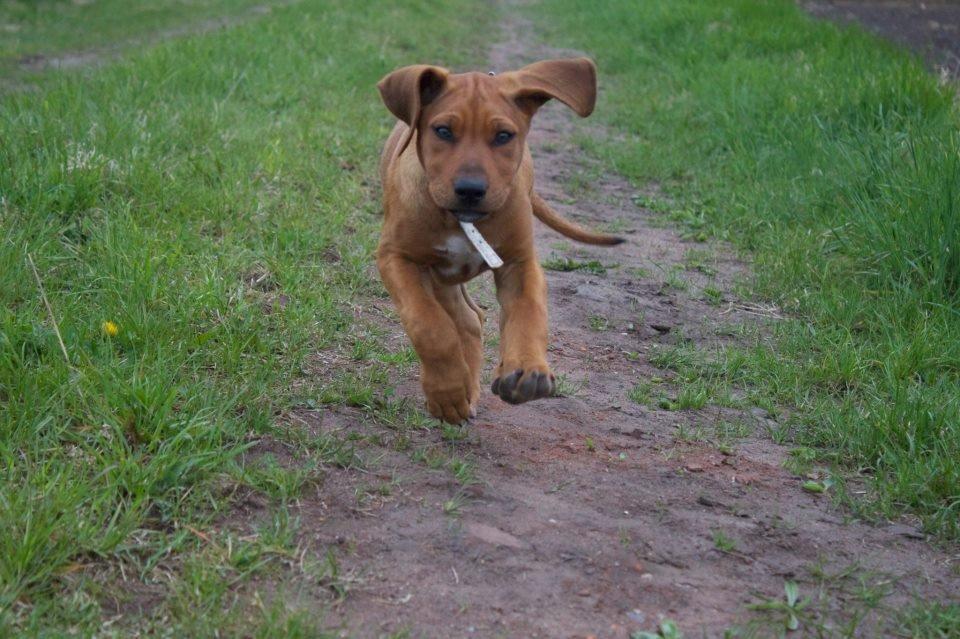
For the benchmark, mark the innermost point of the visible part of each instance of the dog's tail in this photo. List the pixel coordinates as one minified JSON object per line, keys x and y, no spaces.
{"x":565,"y":227}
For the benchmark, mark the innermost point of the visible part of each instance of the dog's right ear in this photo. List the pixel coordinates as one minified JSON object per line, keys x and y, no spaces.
{"x":407,"y":90}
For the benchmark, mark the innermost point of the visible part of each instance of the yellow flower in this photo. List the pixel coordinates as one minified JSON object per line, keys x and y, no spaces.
{"x":110,"y":329}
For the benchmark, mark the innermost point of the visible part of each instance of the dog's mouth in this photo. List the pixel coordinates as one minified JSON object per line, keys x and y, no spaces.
{"x":468,"y":216}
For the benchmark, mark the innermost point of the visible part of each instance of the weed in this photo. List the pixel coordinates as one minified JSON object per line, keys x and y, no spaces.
{"x":676,"y":281}
{"x":666,"y":630}
{"x":787,"y":610}
{"x":452,"y":506}
{"x":567,"y":387}
{"x":598,"y":323}
{"x":641,"y":393}
{"x":567,"y":264}
{"x":453,"y":433}
{"x":722,"y":542}
{"x":928,"y":619}
{"x":463,"y":471}
{"x":692,"y":396}
{"x":699,"y":260}
{"x":673,"y":358}
{"x":713,"y":295}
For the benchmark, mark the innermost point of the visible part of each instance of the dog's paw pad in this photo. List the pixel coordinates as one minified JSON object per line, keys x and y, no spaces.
{"x":523,"y":386}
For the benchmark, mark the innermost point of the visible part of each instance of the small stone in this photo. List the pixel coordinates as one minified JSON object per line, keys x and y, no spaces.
{"x":493,"y":536}
{"x":636,"y":616}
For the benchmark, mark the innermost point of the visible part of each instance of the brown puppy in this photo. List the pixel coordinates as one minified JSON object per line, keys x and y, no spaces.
{"x":459,"y":153}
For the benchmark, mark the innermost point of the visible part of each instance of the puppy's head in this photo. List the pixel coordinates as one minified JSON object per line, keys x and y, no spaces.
{"x":471,"y":127}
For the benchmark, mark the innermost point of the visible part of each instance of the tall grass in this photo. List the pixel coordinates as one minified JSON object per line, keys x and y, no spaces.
{"x":835,"y":160}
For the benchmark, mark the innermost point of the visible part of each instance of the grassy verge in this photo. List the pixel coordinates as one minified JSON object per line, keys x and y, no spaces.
{"x":835,"y":160}
{"x":201,"y":221}
{"x":32,"y":28}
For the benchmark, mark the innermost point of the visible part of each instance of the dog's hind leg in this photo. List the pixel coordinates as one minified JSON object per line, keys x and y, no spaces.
{"x":472,"y":304}
{"x":473,"y":343}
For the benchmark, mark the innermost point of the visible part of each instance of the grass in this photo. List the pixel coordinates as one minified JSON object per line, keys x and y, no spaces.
{"x":845,"y":602}
{"x":79,"y":33}
{"x":598,"y":323}
{"x":207,"y":197}
{"x":723,"y":542}
{"x":201,"y":228}
{"x":567,"y":264}
{"x":34,"y":28}
{"x":842,"y":178}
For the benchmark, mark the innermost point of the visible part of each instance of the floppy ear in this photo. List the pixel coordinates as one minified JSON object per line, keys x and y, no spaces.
{"x":573,"y":81}
{"x":407,"y":90}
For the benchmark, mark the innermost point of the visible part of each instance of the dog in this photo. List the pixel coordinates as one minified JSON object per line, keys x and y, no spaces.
{"x":458,"y":153}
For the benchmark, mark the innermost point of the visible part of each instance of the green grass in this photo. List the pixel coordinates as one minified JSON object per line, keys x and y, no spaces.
{"x":835,"y":160}
{"x":209,"y":196}
{"x":30,"y":28}
{"x":567,"y":264}
{"x":847,"y":601}
{"x":723,"y":542}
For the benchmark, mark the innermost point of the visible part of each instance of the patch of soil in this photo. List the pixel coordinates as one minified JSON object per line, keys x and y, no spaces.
{"x":931,"y":28}
{"x":591,"y":518}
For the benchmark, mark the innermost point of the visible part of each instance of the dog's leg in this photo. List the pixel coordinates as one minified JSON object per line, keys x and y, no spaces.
{"x":523,"y":373}
{"x":469,"y":321}
{"x":444,"y":373}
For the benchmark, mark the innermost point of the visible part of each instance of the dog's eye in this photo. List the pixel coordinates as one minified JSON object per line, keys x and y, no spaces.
{"x":443,"y":132}
{"x":502,"y":138}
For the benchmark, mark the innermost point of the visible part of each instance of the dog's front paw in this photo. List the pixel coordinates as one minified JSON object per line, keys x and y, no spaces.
{"x":453,"y":403}
{"x":519,"y":384}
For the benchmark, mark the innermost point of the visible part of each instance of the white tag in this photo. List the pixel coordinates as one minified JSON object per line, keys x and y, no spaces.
{"x":486,"y":251}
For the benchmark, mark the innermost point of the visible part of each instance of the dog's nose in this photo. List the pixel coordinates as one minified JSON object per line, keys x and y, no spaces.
{"x":470,"y":190}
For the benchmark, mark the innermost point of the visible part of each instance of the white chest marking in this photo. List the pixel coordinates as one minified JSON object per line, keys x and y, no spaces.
{"x":460,"y":257}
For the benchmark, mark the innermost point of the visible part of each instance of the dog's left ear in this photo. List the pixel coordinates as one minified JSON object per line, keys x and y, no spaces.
{"x":573,"y":81}
{"x":407,"y":90}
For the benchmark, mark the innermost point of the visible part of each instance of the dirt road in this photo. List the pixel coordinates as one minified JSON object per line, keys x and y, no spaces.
{"x":594,"y":515}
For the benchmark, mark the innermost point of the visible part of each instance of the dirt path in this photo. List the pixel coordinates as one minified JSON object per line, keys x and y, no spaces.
{"x":931,"y":28}
{"x":590,"y":516}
